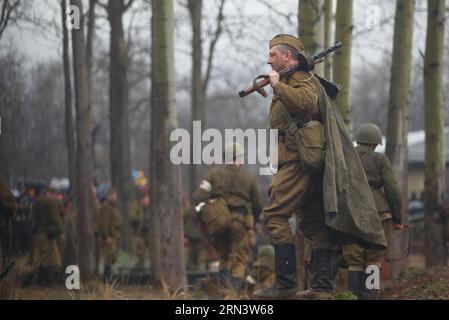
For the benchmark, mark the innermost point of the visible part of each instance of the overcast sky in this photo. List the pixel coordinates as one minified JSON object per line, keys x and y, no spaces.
{"x":244,"y":46}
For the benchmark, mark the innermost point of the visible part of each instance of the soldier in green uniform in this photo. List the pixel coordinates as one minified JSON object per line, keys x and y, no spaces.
{"x":239,"y":189}
{"x":295,"y":189}
{"x":387,"y":196}
{"x":110,"y":230}
{"x":48,"y":229}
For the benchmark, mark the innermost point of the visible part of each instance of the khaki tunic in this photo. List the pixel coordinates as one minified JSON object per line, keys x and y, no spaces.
{"x":48,"y":227}
{"x":238,"y":187}
{"x":109,"y":226}
{"x":293,"y":189}
{"x":381,"y":178}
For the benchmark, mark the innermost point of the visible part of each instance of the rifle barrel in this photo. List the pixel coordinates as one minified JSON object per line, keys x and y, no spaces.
{"x":328,"y":51}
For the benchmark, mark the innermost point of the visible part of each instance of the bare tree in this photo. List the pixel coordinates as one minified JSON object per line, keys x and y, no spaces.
{"x":399,"y":105}
{"x":84,"y":156}
{"x":311,"y":27}
{"x":120,"y":146}
{"x":342,"y":58}
{"x":436,"y":252}
{"x":7,"y":9}
{"x":69,"y":126}
{"x":197,"y":97}
{"x":164,"y":174}
{"x":200,"y":84}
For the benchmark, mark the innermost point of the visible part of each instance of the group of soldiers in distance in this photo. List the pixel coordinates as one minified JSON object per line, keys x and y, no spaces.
{"x":44,"y":237}
{"x":44,"y":233}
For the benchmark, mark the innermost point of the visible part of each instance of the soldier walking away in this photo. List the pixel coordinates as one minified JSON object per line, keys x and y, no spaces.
{"x":48,"y":228}
{"x":387,"y":196}
{"x":110,"y":229}
{"x":239,"y":190}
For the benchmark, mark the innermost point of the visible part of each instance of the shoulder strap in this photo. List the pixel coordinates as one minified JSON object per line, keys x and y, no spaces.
{"x":292,"y":127}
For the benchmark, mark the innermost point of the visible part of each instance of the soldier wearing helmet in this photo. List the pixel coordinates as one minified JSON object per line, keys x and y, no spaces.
{"x":387,"y":196}
{"x":238,"y":188}
{"x":262,"y":274}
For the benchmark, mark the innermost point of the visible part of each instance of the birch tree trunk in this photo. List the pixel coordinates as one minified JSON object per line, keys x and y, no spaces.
{"x":436,"y":252}
{"x":311,"y":27}
{"x":399,"y":110}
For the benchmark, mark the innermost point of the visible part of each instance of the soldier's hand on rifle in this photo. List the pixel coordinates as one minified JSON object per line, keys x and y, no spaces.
{"x":62,"y":237}
{"x":274,"y":78}
{"x":398,"y":226}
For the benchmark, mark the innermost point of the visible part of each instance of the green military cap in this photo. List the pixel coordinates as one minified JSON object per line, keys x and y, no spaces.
{"x":292,"y":41}
{"x":369,"y":133}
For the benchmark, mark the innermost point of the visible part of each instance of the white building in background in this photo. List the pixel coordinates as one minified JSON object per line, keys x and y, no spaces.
{"x":416,"y":159}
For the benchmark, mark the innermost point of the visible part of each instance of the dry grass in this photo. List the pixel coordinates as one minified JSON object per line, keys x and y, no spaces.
{"x":93,"y":291}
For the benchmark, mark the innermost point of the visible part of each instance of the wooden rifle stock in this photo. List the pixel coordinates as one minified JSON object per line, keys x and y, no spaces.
{"x":263,"y":80}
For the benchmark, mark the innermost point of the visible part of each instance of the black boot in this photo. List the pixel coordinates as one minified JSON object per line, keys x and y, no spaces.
{"x":107,"y":275}
{"x":322,"y":277}
{"x":365,"y":293}
{"x":285,"y":265}
{"x":356,"y":282}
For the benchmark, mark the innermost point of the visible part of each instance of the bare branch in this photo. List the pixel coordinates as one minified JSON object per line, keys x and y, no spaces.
{"x":7,"y":10}
{"x":213,"y":43}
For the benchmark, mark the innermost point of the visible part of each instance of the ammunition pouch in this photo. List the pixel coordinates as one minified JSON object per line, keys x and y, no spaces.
{"x":310,"y":143}
{"x":216,"y":217}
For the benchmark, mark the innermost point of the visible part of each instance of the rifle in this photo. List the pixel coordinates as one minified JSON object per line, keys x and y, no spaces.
{"x":258,"y":86}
